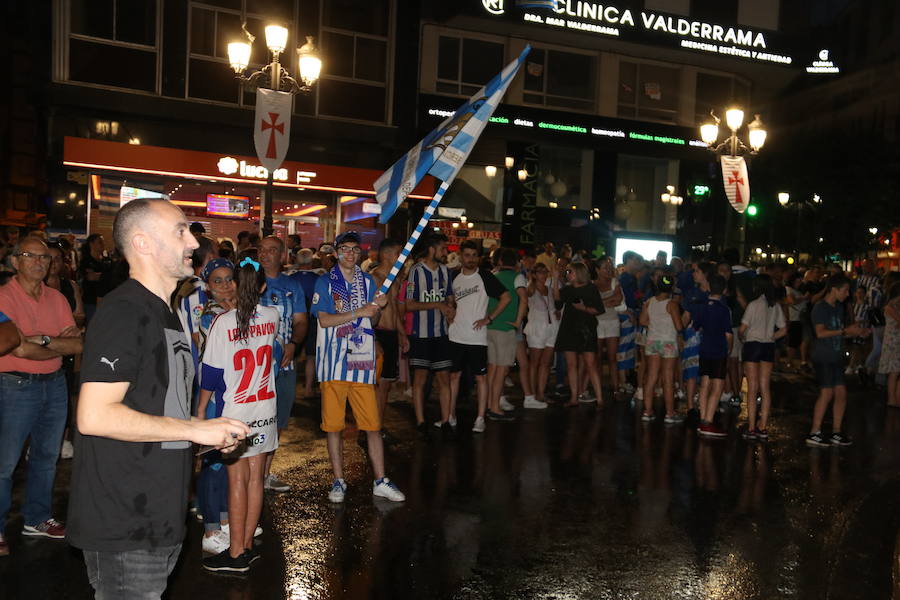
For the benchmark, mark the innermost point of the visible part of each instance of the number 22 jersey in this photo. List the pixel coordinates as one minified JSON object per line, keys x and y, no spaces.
{"x":241,"y":374}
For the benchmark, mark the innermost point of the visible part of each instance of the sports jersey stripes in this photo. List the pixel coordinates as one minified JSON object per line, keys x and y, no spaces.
{"x":426,"y":285}
{"x":331,"y":350}
{"x":189,"y":310}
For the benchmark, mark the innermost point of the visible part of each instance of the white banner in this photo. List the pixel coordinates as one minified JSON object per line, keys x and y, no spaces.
{"x":737,"y":183}
{"x":272,"y":127}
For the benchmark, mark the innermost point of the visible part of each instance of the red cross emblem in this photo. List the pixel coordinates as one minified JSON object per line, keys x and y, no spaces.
{"x":736,"y":179}
{"x":271,"y":124}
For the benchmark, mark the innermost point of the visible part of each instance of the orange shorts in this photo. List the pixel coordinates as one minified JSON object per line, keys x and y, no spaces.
{"x":335,"y":395}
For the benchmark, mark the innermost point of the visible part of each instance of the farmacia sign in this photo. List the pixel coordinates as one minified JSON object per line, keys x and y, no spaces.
{"x":608,"y":19}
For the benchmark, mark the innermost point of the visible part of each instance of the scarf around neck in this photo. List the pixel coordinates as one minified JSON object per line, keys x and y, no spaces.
{"x":360,"y":337}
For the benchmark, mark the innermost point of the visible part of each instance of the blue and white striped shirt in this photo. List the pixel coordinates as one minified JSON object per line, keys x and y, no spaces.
{"x":331,"y":350}
{"x":426,"y":285}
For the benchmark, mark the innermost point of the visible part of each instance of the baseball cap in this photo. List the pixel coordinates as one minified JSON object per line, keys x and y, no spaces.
{"x":347,"y":236}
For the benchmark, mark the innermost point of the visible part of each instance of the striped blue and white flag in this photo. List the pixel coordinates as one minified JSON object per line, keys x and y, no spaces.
{"x":444,"y":151}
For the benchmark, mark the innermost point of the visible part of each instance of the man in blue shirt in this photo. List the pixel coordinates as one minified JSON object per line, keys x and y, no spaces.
{"x":306,"y":276}
{"x":285,"y":294}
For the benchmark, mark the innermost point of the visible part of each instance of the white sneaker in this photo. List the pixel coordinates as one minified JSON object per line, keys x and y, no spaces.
{"x":508,"y":382}
{"x":217,"y":543}
{"x":531,"y":402}
{"x":451,"y":420}
{"x":679,"y":393}
{"x":387,"y":489}
{"x":505,"y":404}
{"x":725,"y":397}
{"x":639,"y":394}
{"x":256,"y":532}
{"x":338,"y":489}
{"x":478,"y":427}
{"x":67,"y":450}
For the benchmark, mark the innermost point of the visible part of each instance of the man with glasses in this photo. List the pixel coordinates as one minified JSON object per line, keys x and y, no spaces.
{"x":284,"y":293}
{"x":347,"y":312}
{"x":33,"y":396}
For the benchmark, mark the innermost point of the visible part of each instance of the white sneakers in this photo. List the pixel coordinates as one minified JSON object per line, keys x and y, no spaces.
{"x":338,"y":489}
{"x":451,"y":420}
{"x":217,"y":542}
{"x":382,"y":488}
{"x":531,"y":402}
{"x":506,"y":405}
{"x":385,"y":488}
{"x":274,"y":484}
{"x":478,"y":427}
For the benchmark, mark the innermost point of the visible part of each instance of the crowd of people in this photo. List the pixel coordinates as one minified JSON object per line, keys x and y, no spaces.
{"x":195,"y":350}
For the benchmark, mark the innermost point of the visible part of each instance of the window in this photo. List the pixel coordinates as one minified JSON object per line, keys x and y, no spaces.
{"x":555,"y":78}
{"x":211,"y":30}
{"x":717,"y":92}
{"x":648,"y":91}
{"x":354,"y":46}
{"x":466,"y":64}
{"x":113,"y":43}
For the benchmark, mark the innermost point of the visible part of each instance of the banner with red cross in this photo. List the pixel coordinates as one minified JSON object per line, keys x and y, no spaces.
{"x":737,"y":183}
{"x":272,"y":127}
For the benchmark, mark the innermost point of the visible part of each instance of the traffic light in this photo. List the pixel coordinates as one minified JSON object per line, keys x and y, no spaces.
{"x":752,"y":210}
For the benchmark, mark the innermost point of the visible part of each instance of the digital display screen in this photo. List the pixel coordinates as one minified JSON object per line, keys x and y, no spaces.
{"x":226,"y":205}
{"x":646,"y":248}
{"x":127,"y":194}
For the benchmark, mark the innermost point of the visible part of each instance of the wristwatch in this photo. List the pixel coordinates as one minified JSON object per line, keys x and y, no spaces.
{"x":45,"y":340}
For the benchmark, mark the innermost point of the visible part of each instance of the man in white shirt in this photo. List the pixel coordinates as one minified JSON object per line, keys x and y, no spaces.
{"x":468,"y":332}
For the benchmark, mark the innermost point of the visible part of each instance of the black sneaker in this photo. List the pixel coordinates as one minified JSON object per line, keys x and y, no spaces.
{"x":839,"y":439}
{"x":499,"y":416}
{"x":224,"y":563}
{"x":447,"y":432}
{"x":817,"y":439}
{"x":252,"y":555}
{"x":424,"y":430}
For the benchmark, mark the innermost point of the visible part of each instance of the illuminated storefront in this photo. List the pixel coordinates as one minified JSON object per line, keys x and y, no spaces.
{"x":223,"y":191}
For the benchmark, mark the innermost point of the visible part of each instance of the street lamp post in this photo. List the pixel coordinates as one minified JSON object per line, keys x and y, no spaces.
{"x":733,"y":146}
{"x":275,"y":77}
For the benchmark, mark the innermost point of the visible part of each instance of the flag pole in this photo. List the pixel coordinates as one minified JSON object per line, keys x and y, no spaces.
{"x":423,"y":222}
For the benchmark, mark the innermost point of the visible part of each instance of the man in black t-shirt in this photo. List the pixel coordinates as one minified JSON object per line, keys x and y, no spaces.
{"x":133,"y":446}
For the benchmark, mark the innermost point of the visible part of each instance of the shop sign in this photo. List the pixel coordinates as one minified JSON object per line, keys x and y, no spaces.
{"x":229,"y":166}
{"x":824,"y":64}
{"x":586,"y":128}
{"x":613,"y":21}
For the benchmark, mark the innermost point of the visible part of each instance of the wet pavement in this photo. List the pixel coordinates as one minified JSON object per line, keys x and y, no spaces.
{"x":560,"y":504}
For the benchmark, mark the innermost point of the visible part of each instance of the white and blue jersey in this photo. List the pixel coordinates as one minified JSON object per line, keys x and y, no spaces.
{"x":189,"y":310}
{"x":425,"y":285}
{"x":285,"y":294}
{"x":241,"y":374}
{"x":331,"y":350}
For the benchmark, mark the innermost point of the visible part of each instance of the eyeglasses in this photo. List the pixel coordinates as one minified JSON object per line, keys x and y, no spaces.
{"x":34,"y":256}
{"x":349,"y":249}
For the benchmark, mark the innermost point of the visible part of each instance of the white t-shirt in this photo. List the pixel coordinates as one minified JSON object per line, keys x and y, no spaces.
{"x":241,"y":373}
{"x":762,"y":320}
{"x":471,"y":293}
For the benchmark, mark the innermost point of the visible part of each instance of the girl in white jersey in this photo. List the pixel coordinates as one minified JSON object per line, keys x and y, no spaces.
{"x":239,"y":367}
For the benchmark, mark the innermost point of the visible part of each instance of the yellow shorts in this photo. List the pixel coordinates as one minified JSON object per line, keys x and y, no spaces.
{"x":335,"y":395}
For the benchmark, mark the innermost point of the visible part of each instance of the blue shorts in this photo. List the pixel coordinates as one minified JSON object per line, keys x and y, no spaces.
{"x":285,"y":393}
{"x":829,"y":375}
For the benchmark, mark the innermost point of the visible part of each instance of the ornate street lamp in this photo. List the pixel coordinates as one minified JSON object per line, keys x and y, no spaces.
{"x":275,"y":77}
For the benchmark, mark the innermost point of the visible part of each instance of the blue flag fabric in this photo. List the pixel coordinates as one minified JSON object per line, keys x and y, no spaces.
{"x":443,"y":152}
